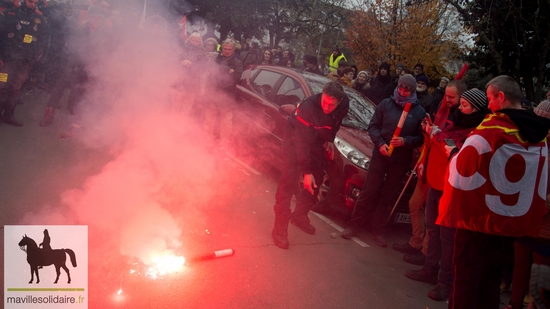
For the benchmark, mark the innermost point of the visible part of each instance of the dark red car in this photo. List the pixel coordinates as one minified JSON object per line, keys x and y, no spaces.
{"x":265,"y":92}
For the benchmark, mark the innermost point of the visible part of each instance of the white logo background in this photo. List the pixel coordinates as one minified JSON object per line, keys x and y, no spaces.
{"x":17,"y":271}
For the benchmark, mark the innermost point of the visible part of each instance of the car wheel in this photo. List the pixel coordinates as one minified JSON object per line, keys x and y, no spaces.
{"x":327,"y":191}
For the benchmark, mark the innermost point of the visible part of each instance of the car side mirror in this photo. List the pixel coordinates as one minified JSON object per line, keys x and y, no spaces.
{"x":287,"y":109}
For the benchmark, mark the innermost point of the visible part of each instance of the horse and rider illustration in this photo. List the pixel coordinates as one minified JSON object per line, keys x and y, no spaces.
{"x":44,"y":255}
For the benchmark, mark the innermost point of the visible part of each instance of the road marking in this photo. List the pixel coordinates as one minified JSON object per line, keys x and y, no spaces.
{"x":340,"y":229}
{"x":248,"y":167}
{"x":236,"y":166}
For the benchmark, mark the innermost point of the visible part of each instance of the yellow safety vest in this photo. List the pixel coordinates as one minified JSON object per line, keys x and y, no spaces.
{"x":333,"y":63}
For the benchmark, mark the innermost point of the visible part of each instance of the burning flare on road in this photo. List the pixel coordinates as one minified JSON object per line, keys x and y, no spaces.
{"x":164,"y":265}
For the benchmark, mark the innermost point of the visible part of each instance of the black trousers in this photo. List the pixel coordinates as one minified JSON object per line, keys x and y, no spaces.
{"x":384,"y":180}
{"x":288,"y":186}
{"x":478,"y":262}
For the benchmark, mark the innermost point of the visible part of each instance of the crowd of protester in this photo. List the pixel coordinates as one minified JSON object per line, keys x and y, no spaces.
{"x":460,"y":237}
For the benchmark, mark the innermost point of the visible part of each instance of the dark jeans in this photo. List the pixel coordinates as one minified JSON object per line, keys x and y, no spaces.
{"x":478,"y":262}
{"x":288,"y":186}
{"x":380,"y":167}
{"x":439,"y":253}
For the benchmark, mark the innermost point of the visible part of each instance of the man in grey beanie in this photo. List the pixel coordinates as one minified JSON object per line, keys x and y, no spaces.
{"x":387,"y":170}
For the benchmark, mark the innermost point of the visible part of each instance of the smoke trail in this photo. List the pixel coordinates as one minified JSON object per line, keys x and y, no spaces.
{"x":159,"y":168}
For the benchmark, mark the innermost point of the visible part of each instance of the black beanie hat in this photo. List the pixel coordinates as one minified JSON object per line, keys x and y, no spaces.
{"x":310,"y":59}
{"x":384,"y":65}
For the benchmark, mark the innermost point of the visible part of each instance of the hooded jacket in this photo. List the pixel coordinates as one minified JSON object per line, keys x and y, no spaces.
{"x":496,"y":184}
{"x":309,"y":128}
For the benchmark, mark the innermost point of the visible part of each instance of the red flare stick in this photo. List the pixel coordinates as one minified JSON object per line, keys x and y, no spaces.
{"x":400,"y":124}
{"x":213,"y":255}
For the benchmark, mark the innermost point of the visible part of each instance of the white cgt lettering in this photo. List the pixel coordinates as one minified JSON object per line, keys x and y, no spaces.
{"x":523,"y":187}
{"x":476,"y":180}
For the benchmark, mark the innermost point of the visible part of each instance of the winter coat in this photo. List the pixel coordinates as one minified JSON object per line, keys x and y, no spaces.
{"x":383,"y":124}
{"x":225,"y":81}
{"x":24,"y":35}
{"x":309,"y":128}
{"x":360,"y":87}
{"x":437,"y":96}
{"x":389,"y":89}
{"x":425,"y":100}
{"x":344,"y":81}
{"x":333,"y":75}
{"x":376,"y":92}
{"x":252,"y":58}
{"x":198,"y":56}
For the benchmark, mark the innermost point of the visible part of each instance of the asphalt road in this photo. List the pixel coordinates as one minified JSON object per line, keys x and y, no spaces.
{"x":230,"y":208}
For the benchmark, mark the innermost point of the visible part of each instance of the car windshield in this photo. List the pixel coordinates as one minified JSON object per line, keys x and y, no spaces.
{"x":360,"y":108}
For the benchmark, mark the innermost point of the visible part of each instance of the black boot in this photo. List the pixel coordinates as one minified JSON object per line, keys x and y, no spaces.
{"x":303,"y":223}
{"x":8,"y":118}
{"x":280,"y":231}
{"x":299,"y":216}
{"x":12,"y":121}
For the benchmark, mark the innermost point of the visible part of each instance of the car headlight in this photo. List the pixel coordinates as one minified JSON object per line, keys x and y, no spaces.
{"x":352,"y":154}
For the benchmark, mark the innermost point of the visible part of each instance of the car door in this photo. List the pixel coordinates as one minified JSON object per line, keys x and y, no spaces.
{"x":257,"y":112}
{"x":290,"y":91}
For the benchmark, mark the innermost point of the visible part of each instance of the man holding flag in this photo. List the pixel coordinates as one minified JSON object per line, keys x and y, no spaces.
{"x":494,"y":190}
{"x":391,"y":158}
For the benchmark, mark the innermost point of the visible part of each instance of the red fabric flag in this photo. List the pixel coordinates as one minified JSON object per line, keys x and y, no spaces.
{"x":443,"y":112}
{"x":183,"y":24}
{"x":496,"y":184}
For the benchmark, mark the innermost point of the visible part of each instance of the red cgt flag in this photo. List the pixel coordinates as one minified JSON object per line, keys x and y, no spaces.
{"x":496,"y":184}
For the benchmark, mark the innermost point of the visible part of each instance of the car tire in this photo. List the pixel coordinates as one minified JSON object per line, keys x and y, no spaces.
{"x":328,"y":193}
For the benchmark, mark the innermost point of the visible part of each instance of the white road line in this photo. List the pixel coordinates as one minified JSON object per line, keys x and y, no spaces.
{"x":236,"y":166}
{"x":248,"y":167}
{"x":340,"y":229}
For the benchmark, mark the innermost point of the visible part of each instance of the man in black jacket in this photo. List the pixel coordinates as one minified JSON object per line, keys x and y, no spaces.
{"x":309,"y":131}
